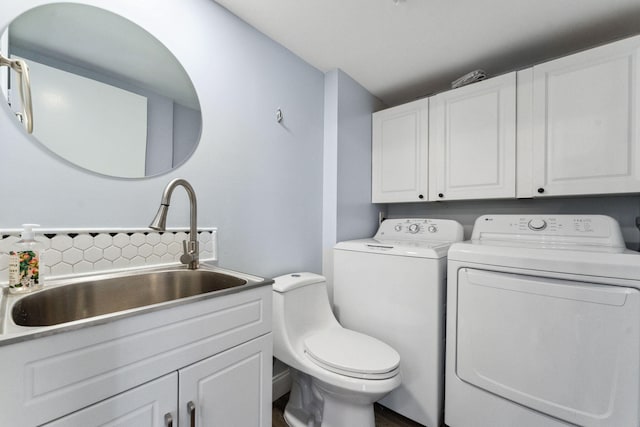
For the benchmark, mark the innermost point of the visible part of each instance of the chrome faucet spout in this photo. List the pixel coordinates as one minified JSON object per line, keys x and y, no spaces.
{"x":190,"y":247}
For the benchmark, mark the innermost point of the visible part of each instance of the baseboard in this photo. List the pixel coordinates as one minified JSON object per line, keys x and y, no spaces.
{"x":281,"y":384}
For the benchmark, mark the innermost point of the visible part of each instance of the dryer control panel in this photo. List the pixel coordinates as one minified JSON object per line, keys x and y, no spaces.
{"x":592,"y":230}
{"x":420,"y":229}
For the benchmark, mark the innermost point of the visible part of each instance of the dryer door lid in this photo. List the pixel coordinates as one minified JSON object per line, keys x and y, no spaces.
{"x":352,"y":354}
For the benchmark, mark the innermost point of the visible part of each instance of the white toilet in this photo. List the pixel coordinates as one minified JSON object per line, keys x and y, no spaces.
{"x":337,"y":373}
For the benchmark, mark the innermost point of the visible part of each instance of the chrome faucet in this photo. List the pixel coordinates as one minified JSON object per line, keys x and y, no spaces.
{"x":190,"y":247}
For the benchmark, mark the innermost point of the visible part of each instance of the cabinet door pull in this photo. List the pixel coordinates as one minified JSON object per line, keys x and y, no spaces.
{"x":540,"y":190}
{"x":440,"y":195}
{"x":168,"y":420}
{"x":420,"y":196}
{"x":191,"y":407}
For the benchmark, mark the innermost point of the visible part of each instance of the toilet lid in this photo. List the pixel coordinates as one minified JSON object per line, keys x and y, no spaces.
{"x":353,"y":354}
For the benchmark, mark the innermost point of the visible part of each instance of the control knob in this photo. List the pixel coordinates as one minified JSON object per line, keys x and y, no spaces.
{"x":398,"y":227}
{"x":414,"y":228}
{"x":432,"y":229}
{"x":537,"y":224}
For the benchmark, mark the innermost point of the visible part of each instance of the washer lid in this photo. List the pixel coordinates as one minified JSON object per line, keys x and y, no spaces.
{"x":416,"y":249}
{"x":352,"y":354}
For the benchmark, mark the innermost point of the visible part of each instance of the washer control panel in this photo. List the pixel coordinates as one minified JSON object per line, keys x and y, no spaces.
{"x":420,"y":229}
{"x":570,"y":229}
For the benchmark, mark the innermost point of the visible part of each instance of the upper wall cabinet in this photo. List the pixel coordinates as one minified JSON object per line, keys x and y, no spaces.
{"x":472,"y":141}
{"x":400,"y":153}
{"x":582,"y":135}
{"x":576,"y":121}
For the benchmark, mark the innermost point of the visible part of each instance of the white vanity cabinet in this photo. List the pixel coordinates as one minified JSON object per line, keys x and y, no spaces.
{"x":400,"y":153}
{"x":584,"y":131}
{"x":132,"y":371}
{"x":472,"y":141}
{"x":227,"y":389}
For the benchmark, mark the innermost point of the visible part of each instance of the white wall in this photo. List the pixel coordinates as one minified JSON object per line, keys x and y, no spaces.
{"x":260,"y":182}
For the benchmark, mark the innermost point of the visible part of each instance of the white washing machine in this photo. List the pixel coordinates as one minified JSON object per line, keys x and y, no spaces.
{"x":392,"y":287}
{"x":543,"y":324}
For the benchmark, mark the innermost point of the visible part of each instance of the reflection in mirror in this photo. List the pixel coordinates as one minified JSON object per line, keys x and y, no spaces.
{"x":22,"y":69}
{"x":107,"y":95}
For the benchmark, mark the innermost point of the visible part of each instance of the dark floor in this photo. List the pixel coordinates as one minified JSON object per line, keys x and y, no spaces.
{"x":384,"y":417}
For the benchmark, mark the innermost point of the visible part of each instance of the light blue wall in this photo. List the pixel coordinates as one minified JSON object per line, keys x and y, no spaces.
{"x":257,"y":180}
{"x":357,"y":217}
{"x":186,"y":132}
{"x":347,"y":210}
{"x":160,"y":147}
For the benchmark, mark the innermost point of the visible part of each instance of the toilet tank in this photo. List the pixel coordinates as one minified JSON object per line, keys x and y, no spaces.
{"x":301,"y":305}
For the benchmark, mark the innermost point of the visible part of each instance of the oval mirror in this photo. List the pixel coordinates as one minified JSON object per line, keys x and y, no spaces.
{"x":107,"y":95}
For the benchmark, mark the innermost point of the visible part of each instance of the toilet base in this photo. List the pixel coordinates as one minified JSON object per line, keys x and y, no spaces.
{"x":338,"y":413}
{"x":314,"y":404}
{"x":304,"y":408}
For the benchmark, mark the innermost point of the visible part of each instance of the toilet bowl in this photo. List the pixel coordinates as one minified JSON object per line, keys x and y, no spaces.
{"x":337,"y":374}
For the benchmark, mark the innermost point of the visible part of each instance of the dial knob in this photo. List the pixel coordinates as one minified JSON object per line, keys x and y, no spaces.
{"x":398,"y":227}
{"x":432,"y":229}
{"x":537,"y":224}
{"x":414,"y":228}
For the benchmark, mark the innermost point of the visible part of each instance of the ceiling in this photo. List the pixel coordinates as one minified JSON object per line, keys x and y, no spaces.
{"x":400,"y":50}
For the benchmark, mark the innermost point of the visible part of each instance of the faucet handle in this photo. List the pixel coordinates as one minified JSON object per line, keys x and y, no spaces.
{"x":190,"y":247}
{"x":190,"y":253}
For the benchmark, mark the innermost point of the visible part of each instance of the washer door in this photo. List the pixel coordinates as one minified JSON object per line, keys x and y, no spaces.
{"x":565,"y":348}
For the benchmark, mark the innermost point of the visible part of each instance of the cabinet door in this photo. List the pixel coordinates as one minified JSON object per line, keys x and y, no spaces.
{"x":585,"y":122}
{"x":231,"y":389}
{"x":150,"y":405}
{"x":472,"y":141}
{"x":400,"y":153}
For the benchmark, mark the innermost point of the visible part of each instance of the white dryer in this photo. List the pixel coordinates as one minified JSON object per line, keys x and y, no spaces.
{"x":543,"y":324}
{"x":392,"y":287}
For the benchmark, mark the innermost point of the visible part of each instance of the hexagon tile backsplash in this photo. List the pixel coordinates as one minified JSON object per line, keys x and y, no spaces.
{"x":74,"y":251}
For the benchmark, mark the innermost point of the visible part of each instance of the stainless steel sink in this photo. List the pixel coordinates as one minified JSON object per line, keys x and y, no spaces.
{"x":108,"y":294}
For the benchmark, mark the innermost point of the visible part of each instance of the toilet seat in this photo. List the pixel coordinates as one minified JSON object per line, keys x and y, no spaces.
{"x":352,"y":354}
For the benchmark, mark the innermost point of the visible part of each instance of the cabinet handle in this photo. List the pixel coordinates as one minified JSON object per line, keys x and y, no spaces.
{"x":420,"y":196}
{"x":191,"y":407}
{"x":440,"y":195}
{"x":168,"y":420}
{"x":540,"y":190}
